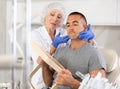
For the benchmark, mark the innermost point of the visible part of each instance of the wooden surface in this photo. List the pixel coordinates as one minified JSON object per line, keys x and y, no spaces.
{"x":48,"y":59}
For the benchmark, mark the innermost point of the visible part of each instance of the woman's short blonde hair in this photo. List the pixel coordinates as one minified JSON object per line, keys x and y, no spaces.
{"x":51,"y":6}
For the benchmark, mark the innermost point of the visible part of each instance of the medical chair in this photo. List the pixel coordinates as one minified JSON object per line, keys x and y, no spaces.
{"x":113,"y":65}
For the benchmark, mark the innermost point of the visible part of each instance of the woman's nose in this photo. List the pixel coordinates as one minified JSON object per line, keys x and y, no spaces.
{"x":55,"y":18}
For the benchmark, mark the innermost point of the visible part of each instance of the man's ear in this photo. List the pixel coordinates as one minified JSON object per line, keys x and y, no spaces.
{"x":85,"y":27}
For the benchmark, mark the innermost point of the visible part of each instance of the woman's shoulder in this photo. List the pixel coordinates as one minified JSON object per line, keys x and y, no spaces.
{"x":38,"y":29}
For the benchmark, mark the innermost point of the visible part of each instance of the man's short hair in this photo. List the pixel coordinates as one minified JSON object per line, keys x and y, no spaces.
{"x":78,"y":13}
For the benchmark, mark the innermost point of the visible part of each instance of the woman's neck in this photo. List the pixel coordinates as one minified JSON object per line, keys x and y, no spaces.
{"x":51,"y":33}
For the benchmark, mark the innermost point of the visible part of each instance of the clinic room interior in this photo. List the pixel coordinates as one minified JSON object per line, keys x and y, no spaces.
{"x":19,"y":17}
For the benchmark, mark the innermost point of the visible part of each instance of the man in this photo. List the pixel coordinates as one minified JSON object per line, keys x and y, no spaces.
{"x":78,"y":56}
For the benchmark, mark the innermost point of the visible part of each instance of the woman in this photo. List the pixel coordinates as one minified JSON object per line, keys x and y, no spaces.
{"x":52,"y":19}
{"x":51,"y":32}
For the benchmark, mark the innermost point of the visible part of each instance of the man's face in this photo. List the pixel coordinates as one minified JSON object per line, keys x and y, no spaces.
{"x":74,"y":26}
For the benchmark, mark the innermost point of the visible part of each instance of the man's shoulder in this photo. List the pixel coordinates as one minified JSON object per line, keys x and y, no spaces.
{"x":90,"y":48}
{"x":63,"y":48}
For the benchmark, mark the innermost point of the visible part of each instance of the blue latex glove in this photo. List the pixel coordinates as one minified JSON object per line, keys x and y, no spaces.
{"x":58,"y":40}
{"x":86,"y":35}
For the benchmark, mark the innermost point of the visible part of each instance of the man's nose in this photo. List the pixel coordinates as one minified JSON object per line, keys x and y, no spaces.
{"x":71,"y":27}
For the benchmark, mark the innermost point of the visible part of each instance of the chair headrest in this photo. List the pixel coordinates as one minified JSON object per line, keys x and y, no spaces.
{"x":111,"y":58}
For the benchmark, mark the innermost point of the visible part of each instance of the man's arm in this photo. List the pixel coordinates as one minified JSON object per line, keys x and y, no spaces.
{"x":65,"y":77}
{"x":47,"y":74}
{"x":95,"y":72}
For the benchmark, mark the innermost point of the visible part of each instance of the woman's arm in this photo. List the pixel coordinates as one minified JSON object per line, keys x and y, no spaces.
{"x":52,"y":49}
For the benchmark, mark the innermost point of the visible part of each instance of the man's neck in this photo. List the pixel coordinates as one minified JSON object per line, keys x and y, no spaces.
{"x":75,"y":44}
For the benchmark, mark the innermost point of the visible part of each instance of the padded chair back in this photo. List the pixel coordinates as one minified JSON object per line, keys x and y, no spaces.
{"x":112,"y":62}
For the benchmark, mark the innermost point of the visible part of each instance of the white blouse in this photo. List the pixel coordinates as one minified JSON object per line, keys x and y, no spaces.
{"x":42,"y":38}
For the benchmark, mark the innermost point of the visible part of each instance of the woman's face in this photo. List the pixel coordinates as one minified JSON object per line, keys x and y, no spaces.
{"x":53,"y":19}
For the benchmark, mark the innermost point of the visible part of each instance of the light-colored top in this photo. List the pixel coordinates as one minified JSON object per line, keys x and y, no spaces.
{"x":42,"y":38}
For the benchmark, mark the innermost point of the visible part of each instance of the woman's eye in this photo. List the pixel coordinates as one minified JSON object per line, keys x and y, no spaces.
{"x":52,"y":14}
{"x":59,"y":17}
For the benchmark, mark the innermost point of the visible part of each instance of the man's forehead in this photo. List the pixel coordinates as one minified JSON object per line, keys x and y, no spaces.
{"x":73,"y":21}
{"x":73,"y":18}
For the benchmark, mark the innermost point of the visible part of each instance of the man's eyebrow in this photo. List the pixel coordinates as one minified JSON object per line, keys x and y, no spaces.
{"x":72,"y":22}
{"x":75,"y":21}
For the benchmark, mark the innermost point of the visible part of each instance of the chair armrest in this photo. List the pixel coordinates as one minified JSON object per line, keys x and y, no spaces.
{"x":32,"y":73}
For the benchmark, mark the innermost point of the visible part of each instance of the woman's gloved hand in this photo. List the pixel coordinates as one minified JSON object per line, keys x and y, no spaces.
{"x":58,"y":40}
{"x":86,"y":35}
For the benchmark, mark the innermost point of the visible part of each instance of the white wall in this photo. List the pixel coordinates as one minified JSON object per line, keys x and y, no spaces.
{"x":108,"y":37}
{"x":97,"y":12}
{"x":2,"y":26}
